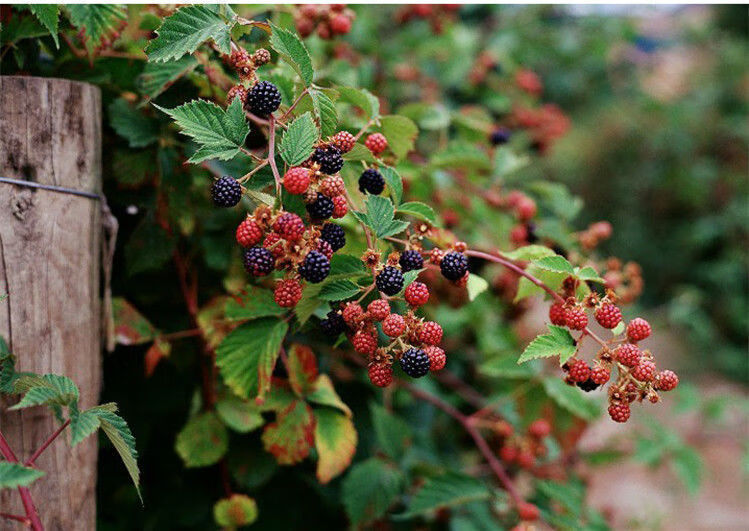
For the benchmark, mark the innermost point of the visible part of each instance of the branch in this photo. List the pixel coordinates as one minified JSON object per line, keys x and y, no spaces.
{"x":272,"y":155}
{"x":18,"y":518}
{"x":24,"y":492}
{"x":50,"y":439}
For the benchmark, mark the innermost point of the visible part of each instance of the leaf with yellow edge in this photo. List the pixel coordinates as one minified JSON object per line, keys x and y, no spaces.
{"x":335,"y":440}
{"x":291,"y":436}
{"x":302,"y":369}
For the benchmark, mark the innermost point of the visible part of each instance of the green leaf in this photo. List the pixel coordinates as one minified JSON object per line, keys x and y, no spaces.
{"x":293,"y":51}
{"x":369,"y":489}
{"x":552,"y":279}
{"x":505,"y":367}
{"x":555,"y":263}
{"x":335,"y":441}
{"x":14,"y":475}
{"x":253,"y":303}
{"x":85,"y":423}
{"x":240,"y":415}
{"x":618,"y":329}
{"x":220,"y":134}
{"x":302,"y":369}
{"x":49,"y":389}
{"x":476,"y":286}
{"x":132,"y":125}
{"x":394,"y":182}
{"x":326,"y":112}
{"x":157,"y":77}
{"x":48,"y":14}
{"x":119,"y":434}
{"x":338,"y":290}
{"x":557,"y":342}
{"x":130,"y":326}
{"x":401,"y":134}
{"x":393,"y":434}
{"x":299,"y":140}
{"x":308,"y":303}
{"x":203,"y":441}
{"x":587,"y":273}
{"x":246,"y":356}
{"x":185,"y":30}
{"x":529,"y":253}
{"x":235,"y":511}
{"x":570,"y":398}
{"x":346,"y":265}
{"x":361,"y":98}
{"x":461,"y":156}
{"x":448,"y":490}
{"x":324,"y":394}
{"x":379,"y":217}
{"x":291,"y":436}
{"x":360,"y":153}
{"x":95,"y":20}
{"x":688,"y":465}
{"x":507,"y":162}
{"x":419,"y":210}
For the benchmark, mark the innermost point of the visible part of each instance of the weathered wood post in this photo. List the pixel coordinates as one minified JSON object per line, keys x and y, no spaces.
{"x":50,"y":133}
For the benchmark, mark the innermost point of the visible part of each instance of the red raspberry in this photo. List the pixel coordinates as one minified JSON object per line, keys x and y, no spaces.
{"x":289,"y":226}
{"x":416,"y":294}
{"x":352,"y":313}
{"x":332,"y":186}
{"x":288,"y":293}
{"x":525,"y":208}
{"x":508,"y":453}
{"x":249,"y":233}
{"x":644,"y":371}
{"x":600,"y":374}
{"x":666,"y":380}
{"x":364,"y":342}
{"x":344,"y":141}
{"x":528,"y":511}
{"x":638,"y":329}
{"x":325,"y":248}
{"x":576,"y":318}
{"x":526,"y":459}
{"x":557,"y":314}
{"x":519,"y":234}
{"x":340,"y":206}
{"x":430,"y":333}
{"x":376,"y":143}
{"x":296,"y":180}
{"x":378,"y":309}
{"x":579,"y":370}
{"x":539,"y":428}
{"x":380,"y":375}
{"x":340,"y":24}
{"x":628,"y":355}
{"x":608,"y":315}
{"x":394,"y":325}
{"x":271,"y":240}
{"x":619,"y":412}
{"x":437,"y":358}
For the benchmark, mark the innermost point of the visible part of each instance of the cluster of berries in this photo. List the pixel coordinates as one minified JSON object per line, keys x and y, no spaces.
{"x":596,"y":232}
{"x":329,"y":20}
{"x":529,"y":82}
{"x":245,"y":63}
{"x":436,"y":14}
{"x":545,"y":125}
{"x":624,"y":279}
{"x":522,"y":449}
{"x":637,"y":378}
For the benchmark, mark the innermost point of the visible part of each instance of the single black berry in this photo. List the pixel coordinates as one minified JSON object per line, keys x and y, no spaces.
{"x":411,"y":260}
{"x":329,"y":158}
{"x":454,"y":265}
{"x":415,"y":362}
{"x":371,"y":182}
{"x":588,"y":385}
{"x":333,"y":324}
{"x":500,"y":136}
{"x":226,"y":192}
{"x":321,"y":208}
{"x":315,"y":267}
{"x":263,"y":99}
{"x":258,"y":261}
{"x":532,"y":236}
{"x":334,"y":235}
{"x":390,"y":280}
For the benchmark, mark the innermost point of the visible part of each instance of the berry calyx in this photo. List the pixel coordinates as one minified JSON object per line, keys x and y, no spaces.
{"x":411,"y":260}
{"x":619,"y":412}
{"x":249,"y":233}
{"x":608,"y":315}
{"x":394,"y":325}
{"x":628,"y":355}
{"x":288,"y":293}
{"x":666,"y":380}
{"x":579,"y":370}
{"x":289,"y":226}
{"x":390,"y":280}
{"x":226,"y":192}
{"x":437,"y":357}
{"x":415,"y":362}
{"x":378,"y":309}
{"x":371,"y":181}
{"x":258,"y":261}
{"x":576,"y":318}
{"x":263,"y":98}
{"x":334,"y":235}
{"x":376,"y":143}
{"x":430,"y":333}
{"x":296,"y":180}
{"x":454,"y":265}
{"x":380,"y":374}
{"x":416,"y":294}
{"x":638,"y":329}
{"x":315,"y":267}
{"x":364,"y":342}
{"x":557,"y":314}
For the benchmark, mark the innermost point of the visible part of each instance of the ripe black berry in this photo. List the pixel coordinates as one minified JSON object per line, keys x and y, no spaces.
{"x":371,"y":182}
{"x":390,"y":280}
{"x":411,"y":260}
{"x":258,"y":261}
{"x":263,"y":99}
{"x":588,"y":385}
{"x":333,"y":324}
{"x":315,"y":267}
{"x":334,"y":235}
{"x":415,"y":362}
{"x":329,"y":158}
{"x":500,"y":136}
{"x":321,"y":208}
{"x":226,"y":192}
{"x":454,"y":265}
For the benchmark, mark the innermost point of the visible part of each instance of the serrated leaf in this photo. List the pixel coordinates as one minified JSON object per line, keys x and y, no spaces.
{"x":401,"y":134}
{"x":570,"y":398}
{"x":50,"y":389}
{"x":48,"y":15}
{"x":419,"y":210}
{"x":132,"y":125}
{"x":242,"y":416}
{"x":293,"y":51}
{"x":308,"y":303}
{"x":253,"y":303}
{"x":302,"y":369}
{"x":220,"y":134}
{"x":346,"y":265}
{"x":246,"y":356}
{"x":14,"y":475}
{"x":338,"y":290}
{"x":95,"y":20}
{"x":379,"y":217}
{"x":361,"y":98}
{"x":393,"y":434}
{"x":157,"y":77}
{"x":291,"y":436}
{"x":476,"y":286}
{"x":394,"y":182}
{"x":324,"y":394}
{"x":85,"y":423}
{"x":408,"y":278}
{"x":360,"y":153}
{"x":335,"y":441}
{"x":448,"y":490}
{"x":555,"y":263}
{"x":529,"y":253}
{"x":587,"y":273}
{"x":119,"y":434}
{"x":203,"y":441}
{"x":369,"y":489}
{"x":326,"y":112}
{"x":235,"y":511}
{"x":299,"y":140}
{"x":185,"y":30}
{"x":557,"y":342}
{"x":8,"y":373}
{"x":552,"y":279}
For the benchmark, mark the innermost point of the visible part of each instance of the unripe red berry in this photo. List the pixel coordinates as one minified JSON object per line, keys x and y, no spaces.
{"x":539,"y":428}
{"x":271,"y":242}
{"x":526,"y":459}
{"x":416,"y":294}
{"x":249,"y":233}
{"x":352,"y":313}
{"x":619,"y":412}
{"x":557,"y":314}
{"x":378,"y":309}
{"x":644,"y":371}
{"x":519,"y":234}
{"x":525,"y":209}
{"x":296,"y":180}
{"x":638,"y":329}
{"x":289,"y":226}
{"x":608,"y":315}
{"x":380,"y":374}
{"x":288,"y":292}
{"x":340,"y":206}
{"x":393,"y":325}
{"x":376,"y":143}
{"x":528,"y":511}
{"x":344,"y":141}
{"x":430,"y":333}
{"x":237,"y":91}
{"x":579,"y":370}
{"x":628,"y":355}
{"x":325,"y":248}
{"x":576,"y":318}
{"x":600,"y":374}
{"x":340,"y":24}
{"x":332,"y":186}
{"x":364,"y":342}
{"x":508,"y":454}
{"x":666,"y":380}
{"x":437,"y":357}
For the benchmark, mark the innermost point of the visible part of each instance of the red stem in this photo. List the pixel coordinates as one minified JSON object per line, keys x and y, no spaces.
{"x":16,"y":517}
{"x":28,"y":502}
{"x":272,"y":155}
{"x":35,"y":455}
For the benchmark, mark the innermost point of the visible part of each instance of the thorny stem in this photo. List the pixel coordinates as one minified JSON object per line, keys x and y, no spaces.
{"x":272,"y":155}
{"x":31,"y":460}
{"x":28,"y":502}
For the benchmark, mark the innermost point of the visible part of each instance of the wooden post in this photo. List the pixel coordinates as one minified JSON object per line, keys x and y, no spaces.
{"x":50,"y":133}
